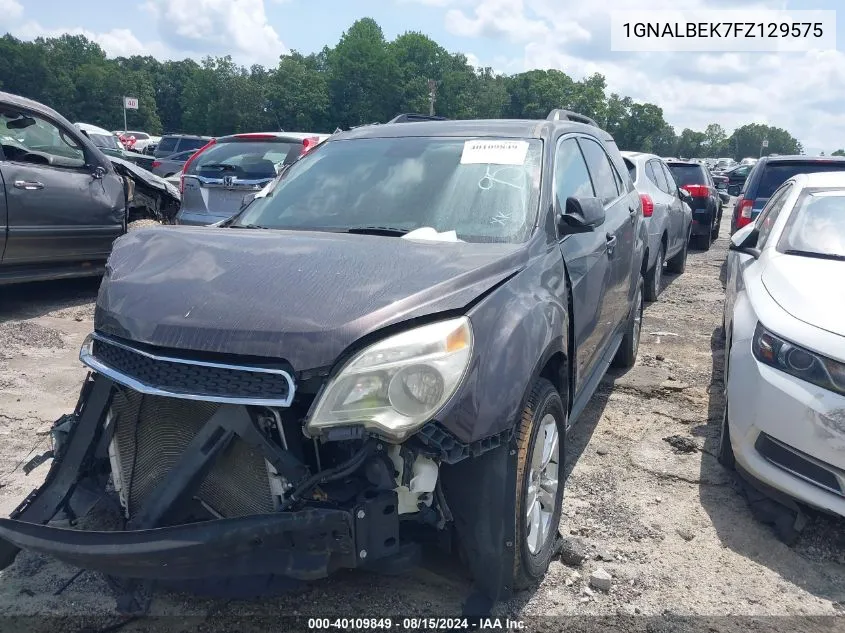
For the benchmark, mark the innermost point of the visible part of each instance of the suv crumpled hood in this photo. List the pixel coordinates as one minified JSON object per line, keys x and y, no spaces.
{"x":294,"y":295}
{"x":805,"y":288}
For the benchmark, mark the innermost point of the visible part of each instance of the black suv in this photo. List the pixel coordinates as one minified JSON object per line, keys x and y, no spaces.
{"x":769,"y":173}
{"x":174,"y":143}
{"x":390,"y":341}
{"x":706,"y":203}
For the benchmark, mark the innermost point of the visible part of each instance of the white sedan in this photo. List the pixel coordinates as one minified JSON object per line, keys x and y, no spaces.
{"x":784,"y":423}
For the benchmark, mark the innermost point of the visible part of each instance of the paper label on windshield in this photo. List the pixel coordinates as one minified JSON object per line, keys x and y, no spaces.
{"x":492,"y":152}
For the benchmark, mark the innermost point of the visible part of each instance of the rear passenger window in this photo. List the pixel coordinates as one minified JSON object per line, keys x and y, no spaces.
{"x":601,"y":170}
{"x":670,"y":180}
{"x":659,"y":176}
{"x":571,"y":176}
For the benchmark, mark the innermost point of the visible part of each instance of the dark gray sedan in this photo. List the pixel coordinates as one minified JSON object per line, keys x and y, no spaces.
{"x":169,"y":165}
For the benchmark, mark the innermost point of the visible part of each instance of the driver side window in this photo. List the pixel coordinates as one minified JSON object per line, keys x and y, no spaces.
{"x":571,"y":176}
{"x":29,"y":138}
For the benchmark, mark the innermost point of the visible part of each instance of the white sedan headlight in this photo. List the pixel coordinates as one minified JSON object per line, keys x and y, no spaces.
{"x":395,"y":386}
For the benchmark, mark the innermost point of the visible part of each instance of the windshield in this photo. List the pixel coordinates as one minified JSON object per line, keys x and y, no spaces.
{"x":688,"y":174}
{"x":775,"y":175}
{"x":109,"y":141}
{"x":253,"y":160}
{"x":410,"y":183}
{"x":817,"y":225}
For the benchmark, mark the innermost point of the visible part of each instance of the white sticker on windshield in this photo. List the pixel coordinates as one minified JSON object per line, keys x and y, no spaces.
{"x":494,"y":152}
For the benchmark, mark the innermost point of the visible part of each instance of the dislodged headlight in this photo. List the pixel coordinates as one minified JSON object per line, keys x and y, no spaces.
{"x":772,"y":350}
{"x":396,"y":385}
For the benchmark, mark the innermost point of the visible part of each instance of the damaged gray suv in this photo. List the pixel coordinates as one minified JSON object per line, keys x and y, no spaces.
{"x":389,"y":343}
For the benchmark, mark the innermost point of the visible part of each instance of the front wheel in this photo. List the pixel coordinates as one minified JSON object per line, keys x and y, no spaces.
{"x":626,"y":356}
{"x":539,"y":493}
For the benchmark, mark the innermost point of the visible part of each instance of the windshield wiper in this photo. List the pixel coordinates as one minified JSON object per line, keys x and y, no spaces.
{"x":795,"y":251}
{"x":377,"y":230}
{"x":248,"y":226}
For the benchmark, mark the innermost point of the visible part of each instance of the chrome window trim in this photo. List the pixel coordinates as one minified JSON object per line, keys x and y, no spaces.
{"x":88,"y":359}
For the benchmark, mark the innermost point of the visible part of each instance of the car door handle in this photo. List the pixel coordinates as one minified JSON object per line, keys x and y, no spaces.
{"x":28,"y":185}
{"x":611,"y":243}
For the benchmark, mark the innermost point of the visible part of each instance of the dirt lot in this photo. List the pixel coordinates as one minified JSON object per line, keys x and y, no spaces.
{"x":671,"y":527}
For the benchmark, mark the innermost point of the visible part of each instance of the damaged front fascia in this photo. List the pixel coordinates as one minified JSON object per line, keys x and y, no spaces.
{"x":304,"y":542}
{"x":147,"y":195}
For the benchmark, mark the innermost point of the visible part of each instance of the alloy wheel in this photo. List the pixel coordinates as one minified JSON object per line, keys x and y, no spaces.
{"x":542,"y":484}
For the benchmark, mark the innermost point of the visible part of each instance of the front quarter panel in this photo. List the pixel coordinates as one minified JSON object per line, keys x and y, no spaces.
{"x":516,"y":330}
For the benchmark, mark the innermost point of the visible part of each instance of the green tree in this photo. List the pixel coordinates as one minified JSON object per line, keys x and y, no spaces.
{"x":298,"y":94}
{"x":839,"y":152}
{"x":533,"y":94}
{"x":715,"y":140}
{"x":690,"y":143}
{"x":747,"y":140}
{"x":363,"y":76}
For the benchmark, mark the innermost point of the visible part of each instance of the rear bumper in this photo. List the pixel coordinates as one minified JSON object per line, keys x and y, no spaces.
{"x":304,"y":545}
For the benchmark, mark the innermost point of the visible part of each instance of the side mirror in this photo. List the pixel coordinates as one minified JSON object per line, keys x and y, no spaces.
{"x":745,"y":241}
{"x":684,"y":195}
{"x":581,"y":215}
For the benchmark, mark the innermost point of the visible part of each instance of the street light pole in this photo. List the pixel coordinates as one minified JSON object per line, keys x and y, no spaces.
{"x":432,"y":96}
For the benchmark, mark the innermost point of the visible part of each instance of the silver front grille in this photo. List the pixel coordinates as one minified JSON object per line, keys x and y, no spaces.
{"x":152,"y":432}
{"x":172,"y":374}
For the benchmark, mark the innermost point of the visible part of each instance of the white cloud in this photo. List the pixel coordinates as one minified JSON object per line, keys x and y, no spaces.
{"x":218,"y":27}
{"x":801,"y":92}
{"x":116,"y":42}
{"x":10,"y":10}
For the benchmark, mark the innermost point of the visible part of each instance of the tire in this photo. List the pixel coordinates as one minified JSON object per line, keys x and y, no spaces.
{"x":142,"y":224}
{"x":626,"y":355}
{"x":534,"y":548}
{"x":704,"y":241}
{"x":715,"y":233}
{"x":678,"y":263}
{"x":725,"y":455}
{"x":654,"y":277}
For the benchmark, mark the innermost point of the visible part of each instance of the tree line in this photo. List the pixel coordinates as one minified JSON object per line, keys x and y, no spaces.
{"x":363,"y":79}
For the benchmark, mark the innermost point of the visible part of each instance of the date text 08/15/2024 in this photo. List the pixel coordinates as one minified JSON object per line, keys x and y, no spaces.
{"x":415,"y":623}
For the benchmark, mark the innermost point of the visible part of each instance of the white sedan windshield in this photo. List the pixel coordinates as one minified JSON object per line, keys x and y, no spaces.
{"x":817,"y":226}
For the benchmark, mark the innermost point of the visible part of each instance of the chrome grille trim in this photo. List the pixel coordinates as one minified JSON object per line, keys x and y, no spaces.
{"x":87,"y":357}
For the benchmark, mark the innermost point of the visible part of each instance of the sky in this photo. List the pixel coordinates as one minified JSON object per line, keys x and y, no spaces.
{"x":803,"y":92}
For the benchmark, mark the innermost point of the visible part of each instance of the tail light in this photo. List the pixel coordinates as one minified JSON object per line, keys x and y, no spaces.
{"x":156,"y":163}
{"x":191,"y":160}
{"x":308,"y":144}
{"x":744,"y":216}
{"x":647,"y":204}
{"x":697,"y":191}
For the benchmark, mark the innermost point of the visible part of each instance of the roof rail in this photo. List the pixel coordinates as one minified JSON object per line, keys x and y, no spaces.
{"x":559,"y":114}
{"x":411,"y":117}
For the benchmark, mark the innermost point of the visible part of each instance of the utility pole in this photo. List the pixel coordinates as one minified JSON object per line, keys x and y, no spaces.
{"x":432,"y":96}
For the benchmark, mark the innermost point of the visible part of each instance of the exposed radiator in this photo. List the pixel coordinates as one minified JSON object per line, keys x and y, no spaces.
{"x":152,"y":432}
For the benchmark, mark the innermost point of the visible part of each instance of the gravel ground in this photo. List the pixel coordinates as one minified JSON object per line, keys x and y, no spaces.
{"x":645,"y":495}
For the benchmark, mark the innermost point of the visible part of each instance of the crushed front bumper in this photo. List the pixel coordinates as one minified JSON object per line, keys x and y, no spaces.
{"x":304,"y":545}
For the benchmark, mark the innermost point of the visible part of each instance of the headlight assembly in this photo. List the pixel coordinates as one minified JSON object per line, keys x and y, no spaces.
{"x":776,"y":352}
{"x":395,"y":386}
